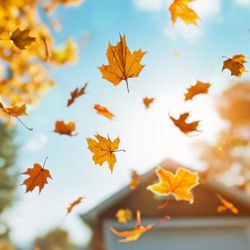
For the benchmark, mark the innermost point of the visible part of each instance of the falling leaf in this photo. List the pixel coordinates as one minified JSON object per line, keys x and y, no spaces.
{"x":197,"y":89}
{"x":103,"y":150}
{"x":76,"y":93}
{"x":124,"y":215}
{"x":122,"y":64}
{"x":163,"y":204}
{"x":135,"y":233}
{"x":184,"y":126}
{"x":179,"y":184}
{"x":180,"y":9}
{"x":235,"y":65}
{"x":65,"y":128}
{"x":135,"y":179}
{"x":148,"y":101}
{"x":226,"y":205}
{"x":73,"y":204}
{"x":101,"y":110}
{"x":175,"y":53}
{"x":21,"y":38}
{"x":38,"y":176}
{"x":16,"y":111}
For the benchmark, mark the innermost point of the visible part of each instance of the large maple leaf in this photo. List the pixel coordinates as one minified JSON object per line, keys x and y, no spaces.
{"x":122,"y":64}
{"x":179,"y":185}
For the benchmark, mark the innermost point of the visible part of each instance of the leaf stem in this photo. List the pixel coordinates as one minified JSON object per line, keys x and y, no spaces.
{"x":30,"y":129}
{"x":45,"y":161}
{"x":127,"y":85}
{"x":120,"y":150}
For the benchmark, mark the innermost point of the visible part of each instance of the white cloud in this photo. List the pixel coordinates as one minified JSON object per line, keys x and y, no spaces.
{"x":36,"y":143}
{"x":243,"y":2}
{"x":150,"y":5}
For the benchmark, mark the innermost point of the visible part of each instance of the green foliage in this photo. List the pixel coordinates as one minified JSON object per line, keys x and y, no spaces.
{"x":8,"y":175}
{"x":56,"y":239}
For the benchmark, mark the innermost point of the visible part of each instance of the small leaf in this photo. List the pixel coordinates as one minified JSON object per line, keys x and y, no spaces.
{"x":235,"y":65}
{"x":73,"y":204}
{"x":135,"y":179}
{"x":226,"y":205}
{"x":101,"y":110}
{"x":147,"y":102}
{"x":76,"y":93}
{"x":124,"y":215}
{"x":21,"y":38}
{"x":65,"y":128}
{"x":103,"y":150}
{"x":197,"y":89}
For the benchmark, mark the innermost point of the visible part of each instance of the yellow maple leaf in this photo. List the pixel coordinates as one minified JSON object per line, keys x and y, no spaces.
{"x":21,"y":38}
{"x":178,"y":185}
{"x":124,"y":215}
{"x":235,"y":65}
{"x":103,"y":150}
{"x":180,"y":9}
{"x":122,"y":64}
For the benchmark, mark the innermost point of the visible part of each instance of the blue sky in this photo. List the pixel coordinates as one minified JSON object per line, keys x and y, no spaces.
{"x":148,"y":136}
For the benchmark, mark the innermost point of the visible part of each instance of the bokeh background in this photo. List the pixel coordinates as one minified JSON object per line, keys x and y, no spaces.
{"x":177,"y":56}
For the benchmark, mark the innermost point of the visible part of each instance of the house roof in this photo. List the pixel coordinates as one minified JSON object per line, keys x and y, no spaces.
{"x":231,"y":193}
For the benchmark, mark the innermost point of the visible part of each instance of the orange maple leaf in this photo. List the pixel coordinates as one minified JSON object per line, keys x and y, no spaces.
{"x":148,"y":101}
{"x":135,"y":233}
{"x":178,"y":185}
{"x":124,"y":215}
{"x":37,"y":177}
{"x":103,"y":150}
{"x":15,"y":112}
{"x":101,"y":110}
{"x":226,"y":205}
{"x":135,"y":179}
{"x":65,"y":128}
{"x":184,"y":126}
{"x":21,"y":38}
{"x":76,"y":93}
{"x":180,"y":9}
{"x":235,"y":65}
{"x":197,"y":89}
{"x":122,"y":64}
{"x":73,"y":204}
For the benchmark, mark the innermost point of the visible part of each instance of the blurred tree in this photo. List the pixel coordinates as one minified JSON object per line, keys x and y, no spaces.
{"x":56,"y":239}
{"x":24,"y":72}
{"x":8,"y":180}
{"x":228,"y":157}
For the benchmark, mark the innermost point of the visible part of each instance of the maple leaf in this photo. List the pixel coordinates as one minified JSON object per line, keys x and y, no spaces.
{"x":135,"y":233}
{"x":235,"y":65}
{"x":148,"y":101}
{"x":76,"y":93}
{"x":197,"y":89}
{"x":124,"y":215}
{"x":122,"y":64}
{"x":103,"y":150}
{"x":65,"y":128}
{"x":73,"y":204}
{"x":226,"y":205}
{"x":38,"y":176}
{"x":21,"y":38}
{"x":178,"y":185}
{"x":16,"y":111}
{"x":180,"y":9}
{"x":101,"y":110}
{"x":135,"y":178}
{"x":185,"y":127}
